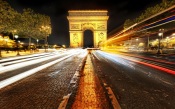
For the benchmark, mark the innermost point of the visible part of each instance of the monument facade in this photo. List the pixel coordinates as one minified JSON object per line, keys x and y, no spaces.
{"x":81,"y":20}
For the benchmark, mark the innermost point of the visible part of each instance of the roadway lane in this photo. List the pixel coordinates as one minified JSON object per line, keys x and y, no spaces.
{"x":135,"y":85}
{"x":44,"y":89}
{"x":153,"y":59}
{"x":26,"y":64}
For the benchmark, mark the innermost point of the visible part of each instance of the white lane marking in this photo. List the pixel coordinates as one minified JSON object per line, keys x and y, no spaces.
{"x":23,"y":64}
{"x":22,"y":60}
{"x":18,"y":77}
{"x":12,"y":58}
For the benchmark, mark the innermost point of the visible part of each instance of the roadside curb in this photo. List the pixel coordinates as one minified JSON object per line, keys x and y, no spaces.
{"x":109,"y":93}
{"x":67,"y":100}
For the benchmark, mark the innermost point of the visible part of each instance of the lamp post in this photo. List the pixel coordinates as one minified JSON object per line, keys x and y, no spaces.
{"x":16,"y":37}
{"x":161,"y":31}
{"x":37,"y":43}
{"x":159,"y":34}
{"x":137,"y":42}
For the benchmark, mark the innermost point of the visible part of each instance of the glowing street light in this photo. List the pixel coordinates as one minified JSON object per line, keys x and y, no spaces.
{"x":137,"y":42}
{"x":16,"y":37}
{"x":37,"y":43}
{"x":159,"y":34}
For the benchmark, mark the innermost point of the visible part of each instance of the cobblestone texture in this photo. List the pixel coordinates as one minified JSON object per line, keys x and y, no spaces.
{"x":43,"y":90}
{"x":90,"y":94}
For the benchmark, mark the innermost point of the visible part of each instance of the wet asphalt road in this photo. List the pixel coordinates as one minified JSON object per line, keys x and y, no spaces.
{"x":136,"y":86}
{"x":42,"y":90}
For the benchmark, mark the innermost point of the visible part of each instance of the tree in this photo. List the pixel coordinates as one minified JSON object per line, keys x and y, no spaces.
{"x":27,"y":24}
{"x":150,"y":11}
{"x":127,"y":23}
{"x":6,"y":15}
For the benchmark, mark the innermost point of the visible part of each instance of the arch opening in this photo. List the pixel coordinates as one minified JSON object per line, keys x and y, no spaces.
{"x":88,"y":39}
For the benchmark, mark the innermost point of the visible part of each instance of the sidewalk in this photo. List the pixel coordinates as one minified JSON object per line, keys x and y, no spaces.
{"x":90,"y":94}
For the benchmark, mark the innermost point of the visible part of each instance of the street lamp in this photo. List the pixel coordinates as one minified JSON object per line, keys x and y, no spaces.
{"x":159,"y":34}
{"x":37,"y":43}
{"x":16,"y":37}
{"x":137,"y":42}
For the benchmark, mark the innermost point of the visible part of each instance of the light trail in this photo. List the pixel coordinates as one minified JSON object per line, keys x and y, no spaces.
{"x":155,"y":24}
{"x":136,"y":61}
{"x":142,"y":57}
{"x":32,"y":55}
{"x":19,"y":57}
{"x":20,"y":76}
{"x":22,"y":60}
{"x":23,"y":64}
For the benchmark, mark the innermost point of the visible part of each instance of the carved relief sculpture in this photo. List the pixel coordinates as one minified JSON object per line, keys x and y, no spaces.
{"x":100,"y":26}
{"x":75,"y":26}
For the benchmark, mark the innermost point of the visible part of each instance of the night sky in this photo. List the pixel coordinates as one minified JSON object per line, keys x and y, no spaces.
{"x":118,"y":12}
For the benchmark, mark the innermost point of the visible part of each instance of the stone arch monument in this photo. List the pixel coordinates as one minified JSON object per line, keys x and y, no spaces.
{"x":81,"y":20}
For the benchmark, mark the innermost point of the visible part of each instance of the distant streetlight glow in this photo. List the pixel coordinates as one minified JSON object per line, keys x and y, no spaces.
{"x":16,"y":36}
{"x":37,"y":43}
{"x":159,"y":34}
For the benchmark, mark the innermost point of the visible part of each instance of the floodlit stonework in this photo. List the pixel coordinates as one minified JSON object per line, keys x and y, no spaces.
{"x":81,"y":20}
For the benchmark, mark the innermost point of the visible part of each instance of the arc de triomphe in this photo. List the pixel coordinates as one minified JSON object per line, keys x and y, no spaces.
{"x":81,"y":20}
